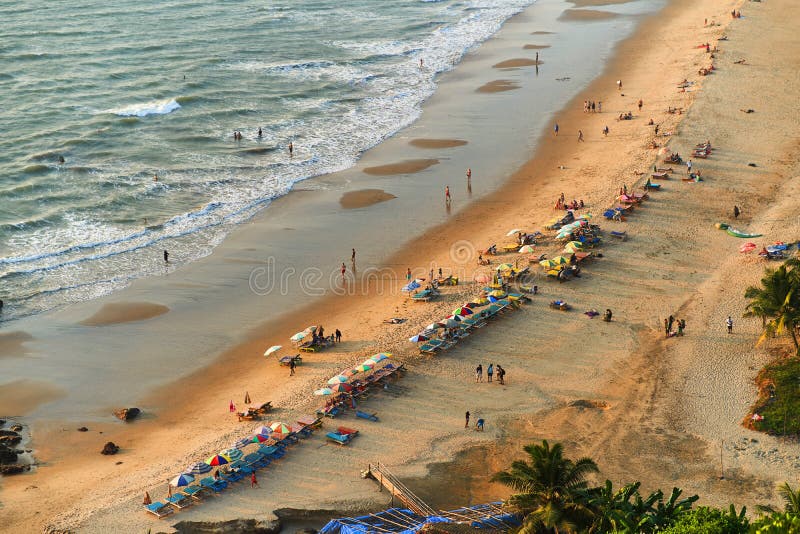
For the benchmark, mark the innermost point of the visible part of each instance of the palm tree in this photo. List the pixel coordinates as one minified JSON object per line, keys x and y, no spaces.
{"x":791,"y":501}
{"x":777,"y":302}
{"x":548,"y":489}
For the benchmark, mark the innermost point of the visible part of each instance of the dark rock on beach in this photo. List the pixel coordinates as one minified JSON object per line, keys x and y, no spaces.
{"x":83,"y":429}
{"x":110,"y":448}
{"x":16,"y":428}
{"x":7,"y":455}
{"x":128,"y":414}
{"x":14,"y":469}
{"x":10,"y":440}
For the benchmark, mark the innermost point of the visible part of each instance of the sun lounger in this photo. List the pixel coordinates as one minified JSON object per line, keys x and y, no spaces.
{"x":242,"y":467}
{"x":423,"y":296}
{"x":339,"y":439}
{"x":195,"y":492}
{"x":369,"y":416}
{"x":619,"y":235}
{"x":660,"y":175}
{"x":159,"y":509}
{"x":214,"y":484}
{"x":432,"y":346}
{"x":179,"y":501}
{"x":473,"y":323}
{"x":330,"y":411}
{"x":256,"y":460}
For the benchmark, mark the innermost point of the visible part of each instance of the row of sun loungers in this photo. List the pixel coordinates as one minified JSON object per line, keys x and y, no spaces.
{"x":360,"y":391}
{"x":241,"y":469}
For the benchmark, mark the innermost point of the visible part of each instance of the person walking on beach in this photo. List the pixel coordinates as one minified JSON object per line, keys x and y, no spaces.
{"x":479,"y":373}
{"x":254,"y":480}
{"x":344,"y":270}
{"x":166,"y":256}
{"x":580,"y":135}
{"x":729,"y":324}
{"x":353,"y":257}
{"x":466,"y":424}
{"x":640,"y":104}
{"x":469,"y":175}
{"x":605,"y":131}
{"x":736,"y":212}
{"x":501,"y":375}
{"x":681,"y":324}
{"x":232,"y":407}
{"x":260,"y":133}
{"x":408,"y":274}
{"x":291,"y":367}
{"x":666,"y":327}
{"x":555,"y":129}
{"x":338,"y":335}
{"x":489,"y":372}
{"x":671,"y":321}
{"x":689,"y":167}
{"x":619,"y":85}
{"x":291,"y":149}
{"x":447,"y":194}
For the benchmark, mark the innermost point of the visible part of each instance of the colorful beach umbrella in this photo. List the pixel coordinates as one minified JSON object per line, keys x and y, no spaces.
{"x":493,"y":299}
{"x":380,"y":356}
{"x":449,"y":323}
{"x":482,"y":301}
{"x":217,"y":460}
{"x":323,"y":391}
{"x":341,"y":388}
{"x":281,"y":429}
{"x":554,"y":262}
{"x":260,"y":438}
{"x":310,"y":329}
{"x":350,"y":372}
{"x":411,"y":286}
{"x":498,"y":293}
{"x":463,"y":311}
{"x":418,"y":338}
{"x":231,"y":454}
{"x":456,"y":318}
{"x":364,"y":367}
{"x":262,"y":430}
{"x":526,"y":249}
{"x":198,"y":469}
{"x":184,"y":479}
{"x":273,"y":349}
{"x":505,"y":267}
{"x":242,"y":443}
{"x":338,"y":379}
{"x":433,"y":326}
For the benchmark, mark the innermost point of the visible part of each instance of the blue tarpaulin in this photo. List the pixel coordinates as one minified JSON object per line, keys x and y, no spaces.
{"x":398,"y":520}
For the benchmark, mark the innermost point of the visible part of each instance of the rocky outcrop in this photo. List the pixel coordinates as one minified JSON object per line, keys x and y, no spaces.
{"x":128,"y":414}
{"x":236,"y":526}
{"x":110,"y":448}
{"x":13,"y":469}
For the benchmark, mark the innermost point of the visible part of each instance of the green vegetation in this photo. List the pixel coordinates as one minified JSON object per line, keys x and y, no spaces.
{"x":777,"y":303}
{"x":554,"y":497}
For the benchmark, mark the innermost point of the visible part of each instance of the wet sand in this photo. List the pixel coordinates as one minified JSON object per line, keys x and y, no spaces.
{"x":593,"y":3}
{"x":577,"y":15}
{"x":23,"y":396}
{"x":410,"y":166}
{"x":542,"y":32}
{"x":363,"y":198}
{"x":535,"y":47}
{"x":515,"y":63}
{"x":437,"y":143}
{"x":12,"y":344}
{"x":124,"y":312}
{"x":497,"y":86}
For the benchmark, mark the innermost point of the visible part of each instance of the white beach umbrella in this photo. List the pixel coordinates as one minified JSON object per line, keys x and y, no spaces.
{"x":513,"y":232}
{"x":273,"y":349}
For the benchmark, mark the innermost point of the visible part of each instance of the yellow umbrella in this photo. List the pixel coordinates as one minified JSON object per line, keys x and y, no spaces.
{"x":505,"y":267}
{"x":498,"y":293}
{"x":573,"y":246}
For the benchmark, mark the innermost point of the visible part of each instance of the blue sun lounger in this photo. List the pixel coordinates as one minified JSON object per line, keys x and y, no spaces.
{"x":159,"y":509}
{"x":215,"y":485}
{"x":339,"y":439}
{"x":369,"y":416}
{"x":256,"y":460}
{"x":193,"y":491}
{"x":179,"y":501}
{"x":242,"y":467}
{"x":423,"y":296}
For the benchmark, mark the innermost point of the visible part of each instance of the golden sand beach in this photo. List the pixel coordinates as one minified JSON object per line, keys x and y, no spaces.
{"x":644,"y":407}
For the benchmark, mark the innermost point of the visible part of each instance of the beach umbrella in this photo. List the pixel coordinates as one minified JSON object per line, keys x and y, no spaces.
{"x":454,"y":318}
{"x":449,"y":323}
{"x":260,"y":438}
{"x":748,"y":247}
{"x":380,"y":356}
{"x":493,"y":298}
{"x":262,"y":430}
{"x":482,"y":278}
{"x":197,"y":469}
{"x":433,"y":326}
{"x":515,"y":231}
{"x":554,"y":262}
{"x":233,"y":454}
{"x":418,"y":338}
{"x":498,"y":293}
{"x":310,"y":329}
{"x":273,"y":349}
{"x":184,"y":479}
{"x":298,"y":336}
{"x":482,"y":301}
{"x":411,"y":286}
{"x":585,"y":216}
{"x":350,"y":372}
{"x":463,"y":310}
{"x":526,"y":249}
{"x":242,"y":443}
{"x":366,"y":366}
{"x":338,"y":379}
{"x":505,"y":267}
{"x":323,"y":391}
{"x":281,"y":429}
{"x":341,"y":388}
{"x":217,"y":460}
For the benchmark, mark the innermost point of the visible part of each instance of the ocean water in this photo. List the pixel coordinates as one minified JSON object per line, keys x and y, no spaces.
{"x":128,"y":90}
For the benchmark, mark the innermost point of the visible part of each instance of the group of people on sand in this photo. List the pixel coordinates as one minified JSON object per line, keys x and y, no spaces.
{"x":562,"y":204}
{"x":590,"y":106}
{"x":670,"y":322}
{"x":490,"y":372}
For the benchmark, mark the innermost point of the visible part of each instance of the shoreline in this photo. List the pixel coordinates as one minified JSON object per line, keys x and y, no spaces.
{"x":436,"y":244}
